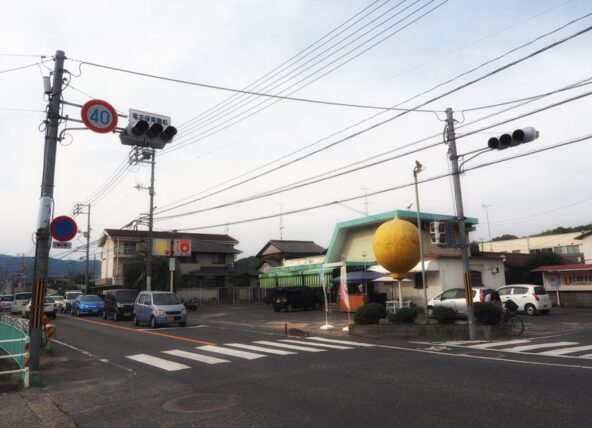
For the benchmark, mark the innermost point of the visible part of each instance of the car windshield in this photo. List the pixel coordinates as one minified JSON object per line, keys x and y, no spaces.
{"x":539,"y":291}
{"x":22,"y":296}
{"x":166,"y":299}
{"x":126,"y":296}
{"x":72,"y":295}
{"x":90,"y":298}
{"x":6,"y":298}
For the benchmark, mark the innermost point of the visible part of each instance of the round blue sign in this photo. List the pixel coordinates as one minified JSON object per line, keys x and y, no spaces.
{"x":63,"y":228}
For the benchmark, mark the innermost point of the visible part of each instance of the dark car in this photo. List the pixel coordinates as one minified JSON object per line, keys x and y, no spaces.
{"x":119,"y":304}
{"x":295,"y":298}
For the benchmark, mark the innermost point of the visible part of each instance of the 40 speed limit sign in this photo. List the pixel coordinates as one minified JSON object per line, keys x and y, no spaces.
{"x":99,"y":116}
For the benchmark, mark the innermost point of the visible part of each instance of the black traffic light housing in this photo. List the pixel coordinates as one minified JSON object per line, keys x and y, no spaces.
{"x":519,"y":136}
{"x":142,"y":134}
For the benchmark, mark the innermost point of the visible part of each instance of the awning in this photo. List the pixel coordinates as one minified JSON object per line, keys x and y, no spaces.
{"x":563,"y":268}
{"x":430,"y":265}
{"x":358,"y":277}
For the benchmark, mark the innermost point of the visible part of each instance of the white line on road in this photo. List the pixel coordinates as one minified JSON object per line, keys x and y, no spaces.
{"x":537,"y":346}
{"x":566,"y":350}
{"x":88,"y":354}
{"x":161,"y":363}
{"x":340,"y":342}
{"x":285,"y":345}
{"x":195,"y":357}
{"x":496,"y":344}
{"x":231,"y":352}
{"x":260,"y":349}
{"x":322,"y":345}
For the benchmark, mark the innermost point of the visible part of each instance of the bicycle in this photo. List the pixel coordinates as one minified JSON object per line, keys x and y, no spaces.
{"x":510,"y":317}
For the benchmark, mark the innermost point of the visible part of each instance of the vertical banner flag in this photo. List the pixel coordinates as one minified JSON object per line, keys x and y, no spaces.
{"x":343,"y":287}
{"x":322,"y":279}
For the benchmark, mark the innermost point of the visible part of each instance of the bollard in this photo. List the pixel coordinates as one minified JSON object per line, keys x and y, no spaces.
{"x":286,"y":328}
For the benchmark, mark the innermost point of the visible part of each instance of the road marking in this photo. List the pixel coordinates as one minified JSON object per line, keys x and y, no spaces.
{"x":232,"y":352}
{"x":169,"y":366}
{"x":566,"y":350}
{"x":340,"y":342}
{"x":322,"y":345}
{"x":495,"y":344}
{"x":537,"y":346}
{"x":285,"y":345}
{"x":588,"y":356}
{"x":195,"y":357}
{"x":139,"y":330}
{"x":260,"y":349}
{"x":88,"y":354}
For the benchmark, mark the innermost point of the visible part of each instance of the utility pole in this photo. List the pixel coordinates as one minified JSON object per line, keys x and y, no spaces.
{"x":464,"y":250}
{"x":79,"y":209}
{"x":150,"y":223}
{"x":485,"y":207}
{"x":43,"y":241}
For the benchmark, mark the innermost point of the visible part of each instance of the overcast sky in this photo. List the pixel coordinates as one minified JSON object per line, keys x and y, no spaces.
{"x":233,"y":44}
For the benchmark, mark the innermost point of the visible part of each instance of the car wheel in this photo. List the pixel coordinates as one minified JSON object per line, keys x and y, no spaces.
{"x":115,"y":317}
{"x":530,"y":309}
{"x":78,"y":312}
{"x":182,"y":324}
{"x":136,"y":323}
{"x":153,"y":323}
{"x":430,"y":312}
{"x":544,"y":312}
{"x":54,"y":315}
{"x":289,"y":308}
{"x":104,"y":315}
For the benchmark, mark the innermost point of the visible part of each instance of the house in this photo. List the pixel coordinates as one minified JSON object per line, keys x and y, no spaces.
{"x":276,"y":252}
{"x":352,"y":244}
{"x":210,"y":263}
{"x":568,"y":285}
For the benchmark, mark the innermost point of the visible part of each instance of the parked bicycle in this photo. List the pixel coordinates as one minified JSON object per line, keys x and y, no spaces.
{"x":511,"y":318}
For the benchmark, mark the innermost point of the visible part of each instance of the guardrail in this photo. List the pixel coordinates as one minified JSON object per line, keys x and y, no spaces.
{"x":14,"y":341}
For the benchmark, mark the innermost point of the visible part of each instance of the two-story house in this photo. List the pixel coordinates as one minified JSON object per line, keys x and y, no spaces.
{"x":211,"y":260}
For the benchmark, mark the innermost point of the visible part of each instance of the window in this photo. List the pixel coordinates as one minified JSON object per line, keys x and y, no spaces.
{"x":520,"y":290}
{"x":418,"y":281}
{"x":129,"y":248}
{"x":476,"y":280}
{"x":504,"y":291}
{"x":219,"y":259}
{"x":450,"y":294}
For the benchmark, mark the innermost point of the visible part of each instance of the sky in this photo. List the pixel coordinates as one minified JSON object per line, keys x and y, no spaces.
{"x":229,"y":149}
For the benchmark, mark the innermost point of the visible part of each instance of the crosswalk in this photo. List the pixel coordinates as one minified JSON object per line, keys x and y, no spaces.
{"x":527,"y":346}
{"x":229,"y":352}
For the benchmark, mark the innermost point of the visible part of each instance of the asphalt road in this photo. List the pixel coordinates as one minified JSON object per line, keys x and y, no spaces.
{"x":102,"y":375}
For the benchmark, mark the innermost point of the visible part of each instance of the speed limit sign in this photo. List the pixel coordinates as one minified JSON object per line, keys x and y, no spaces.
{"x":99,"y":116}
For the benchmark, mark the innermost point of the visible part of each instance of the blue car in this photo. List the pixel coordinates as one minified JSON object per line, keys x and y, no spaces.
{"x":87,"y":304}
{"x":159,"y":307}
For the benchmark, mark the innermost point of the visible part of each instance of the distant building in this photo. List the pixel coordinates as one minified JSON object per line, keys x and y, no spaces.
{"x":567,"y":245}
{"x":277,"y":252}
{"x":211,"y":260}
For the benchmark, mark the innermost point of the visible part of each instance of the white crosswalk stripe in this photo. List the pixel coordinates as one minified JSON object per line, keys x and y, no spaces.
{"x":161,"y":363}
{"x":245,"y":351}
{"x":340,"y":342}
{"x":195,"y":357}
{"x":231,"y":352}
{"x":322,"y":345}
{"x":287,"y":346}
{"x":567,"y":350}
{"x":524,"y":348}
{"x":498,"y":344}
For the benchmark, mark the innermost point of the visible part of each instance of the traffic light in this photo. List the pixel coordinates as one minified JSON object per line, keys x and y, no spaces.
{"x":519,"y":136}
{"x":142,"y":134}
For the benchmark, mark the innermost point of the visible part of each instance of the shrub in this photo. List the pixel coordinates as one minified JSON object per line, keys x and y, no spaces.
{"x":487,"y":313}
{"x":370,"y":313}
{"x":403,"y":315}
{"x":444,"y":315}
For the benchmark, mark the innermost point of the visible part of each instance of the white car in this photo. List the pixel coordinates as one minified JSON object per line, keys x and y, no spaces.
{"x":59,"y":301}
{"x":20,"y":300}
{"x":455,"y":299}
{"x":49,"y":308}
{"x":530,"y":298}
{"x":6,"y":302}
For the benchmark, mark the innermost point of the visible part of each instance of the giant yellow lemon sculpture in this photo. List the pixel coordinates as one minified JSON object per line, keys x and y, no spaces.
{"x":396,"y":247}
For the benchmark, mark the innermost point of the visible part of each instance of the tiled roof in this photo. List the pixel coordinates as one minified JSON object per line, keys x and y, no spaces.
{"x":118,"y":233}
{"x":295,"y":247}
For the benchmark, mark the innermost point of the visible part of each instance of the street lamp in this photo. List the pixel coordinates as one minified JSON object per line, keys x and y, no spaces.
{"x":418,"y":168}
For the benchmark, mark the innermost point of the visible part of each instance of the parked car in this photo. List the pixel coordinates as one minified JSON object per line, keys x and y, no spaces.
{"x":6,"y":302}
{"x":69,"y":297}
{"x":295,"y":298}
{"x":158,"y":308}
{"x":90,"y":304}
{"x":530,"y":298}
{"x":19,"y":300}
{"x":455,"y":298}
{"x":49,"y":308}
{"x":119,"y":304}
{"x":59,"y":302}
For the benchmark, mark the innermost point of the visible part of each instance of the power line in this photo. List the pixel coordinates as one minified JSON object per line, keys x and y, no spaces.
{"x":425,"y":180}
{"x":22,"y":67}
{"x":355,"y":134}
{"x":512,"y":220}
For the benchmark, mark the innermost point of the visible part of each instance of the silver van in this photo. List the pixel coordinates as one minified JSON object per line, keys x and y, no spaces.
{"x":19,"y":301}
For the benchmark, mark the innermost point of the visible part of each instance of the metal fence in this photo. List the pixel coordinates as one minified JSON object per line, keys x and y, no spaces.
{"x":226,"y":295}
{"x":14,"y":341}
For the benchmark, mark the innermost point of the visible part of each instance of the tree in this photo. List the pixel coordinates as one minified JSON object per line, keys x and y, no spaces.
{"x":504,"y":237}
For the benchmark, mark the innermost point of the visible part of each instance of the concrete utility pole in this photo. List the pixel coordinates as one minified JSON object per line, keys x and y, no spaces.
{"x":450,"y":136}
{"x":79,"y":209}
{"x":150,"y":223}
{"x":43,"y":238}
